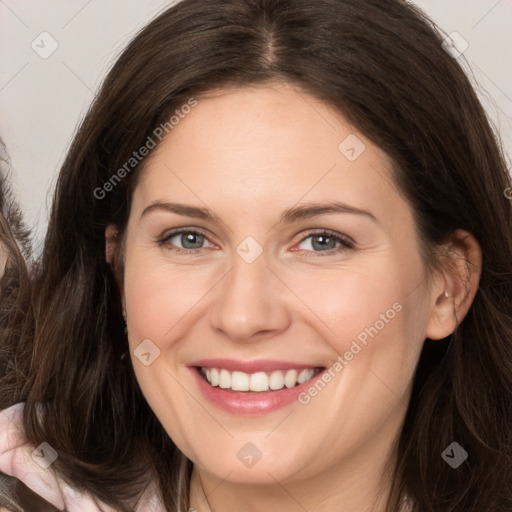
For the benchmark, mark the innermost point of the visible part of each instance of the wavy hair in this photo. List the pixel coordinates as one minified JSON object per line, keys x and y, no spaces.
{"x":382,"y":65}
{"x":15,"y":289}
{"x":16,"y":321}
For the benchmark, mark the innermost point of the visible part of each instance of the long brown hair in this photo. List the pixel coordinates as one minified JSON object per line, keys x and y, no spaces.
{"x":381,"y":63}
{"x":16,"y":321}
{"x":15,"y":288}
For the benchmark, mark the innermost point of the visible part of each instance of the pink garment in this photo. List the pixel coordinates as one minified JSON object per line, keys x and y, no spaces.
{"x":20,"y":460}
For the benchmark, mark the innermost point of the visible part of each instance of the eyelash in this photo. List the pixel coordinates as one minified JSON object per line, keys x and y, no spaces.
{"x":345,"y":242}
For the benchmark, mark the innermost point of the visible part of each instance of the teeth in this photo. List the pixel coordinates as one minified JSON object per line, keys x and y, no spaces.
{"x":224,"y":379}
{"x":290,"y":379}
{"x":239,"y":381}
{"x":276,"y":380}
{"x":304,"y":375}
{"x":259,"y":381}
{"x":214,"y":377}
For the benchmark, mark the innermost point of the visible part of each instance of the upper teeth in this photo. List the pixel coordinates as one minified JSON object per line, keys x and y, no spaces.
{"x":259,"y":381}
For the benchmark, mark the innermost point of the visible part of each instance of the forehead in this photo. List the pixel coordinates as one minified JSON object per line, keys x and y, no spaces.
{"x":263,"y":146}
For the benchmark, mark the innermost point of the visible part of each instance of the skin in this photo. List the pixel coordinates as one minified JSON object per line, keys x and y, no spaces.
{"x":248,"y":155}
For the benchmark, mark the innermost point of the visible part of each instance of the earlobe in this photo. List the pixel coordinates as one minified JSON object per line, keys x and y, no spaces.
{"x":443,"y":317}
{"x":454,"y":293}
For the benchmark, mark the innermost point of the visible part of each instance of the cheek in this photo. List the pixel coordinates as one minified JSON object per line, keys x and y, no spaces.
{"x":160,"y":299}
{"x":373,"y":316}
{"x":344,"y":304}
{"x":374,"y":324}
{"x":159,"y":295}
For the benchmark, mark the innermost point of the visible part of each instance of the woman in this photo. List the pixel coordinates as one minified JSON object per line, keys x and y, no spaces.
{"x":277,"y":274}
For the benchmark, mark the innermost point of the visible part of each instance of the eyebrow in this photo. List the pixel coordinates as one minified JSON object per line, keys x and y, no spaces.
{"x":294,"y":214}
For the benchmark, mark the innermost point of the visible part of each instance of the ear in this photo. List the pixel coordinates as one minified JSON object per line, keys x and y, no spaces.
{"x":456,"y":287}
{"x":111,"y":244}
{"x":111,"y":233}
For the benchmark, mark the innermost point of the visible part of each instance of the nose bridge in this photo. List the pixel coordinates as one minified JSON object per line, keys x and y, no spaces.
{"x":249,"y":299}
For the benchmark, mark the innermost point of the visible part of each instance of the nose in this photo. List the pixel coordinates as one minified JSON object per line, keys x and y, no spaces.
{"x":250,"y":302}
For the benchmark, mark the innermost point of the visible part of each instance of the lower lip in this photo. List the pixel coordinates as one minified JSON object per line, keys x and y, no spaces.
{"x":250,"y":403}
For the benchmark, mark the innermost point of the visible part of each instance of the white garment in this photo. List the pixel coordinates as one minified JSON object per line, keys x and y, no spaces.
{"x":18,"y":459}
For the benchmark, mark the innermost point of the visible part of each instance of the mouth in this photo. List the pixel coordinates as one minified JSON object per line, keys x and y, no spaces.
{"x":257,"y":382}
{"x":246,"y":388}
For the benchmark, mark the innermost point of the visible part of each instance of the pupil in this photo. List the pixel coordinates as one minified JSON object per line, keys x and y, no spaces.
{"x":192,"y":241}
{"x":324,"y":242}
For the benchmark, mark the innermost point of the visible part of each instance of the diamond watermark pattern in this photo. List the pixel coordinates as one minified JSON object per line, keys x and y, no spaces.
{"x":146,"y":352}
{"x":44,"y":45}
{"x":249,"y":455}
{"x":249,"y":249}
{"x":352,"y":147}
{"x":44,"y":455}
{"x":454,"y":455}
{"x":455,"y":44}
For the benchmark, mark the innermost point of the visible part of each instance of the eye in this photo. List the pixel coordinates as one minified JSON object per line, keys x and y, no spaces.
{"x":185,"y":240}
{"x":325,"y":241}
{"x":193,"y":241}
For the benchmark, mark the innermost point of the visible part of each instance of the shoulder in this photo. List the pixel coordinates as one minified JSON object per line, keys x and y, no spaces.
{"x":31,"y":465}
{"x":11,"y":437}
{"x":16,"y":461}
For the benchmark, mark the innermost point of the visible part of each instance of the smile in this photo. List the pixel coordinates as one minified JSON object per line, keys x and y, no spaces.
{"x":249,"y":388}
{"x":259,"y":381}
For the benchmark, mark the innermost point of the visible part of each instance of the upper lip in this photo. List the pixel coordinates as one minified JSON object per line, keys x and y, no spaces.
{"x":262,"y":365}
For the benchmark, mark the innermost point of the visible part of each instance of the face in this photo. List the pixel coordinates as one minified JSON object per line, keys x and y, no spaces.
{"x":276,"y":299}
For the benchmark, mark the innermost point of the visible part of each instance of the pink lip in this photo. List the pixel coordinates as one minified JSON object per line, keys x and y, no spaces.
{"x":249,"y":403}
{"x":233,"y":365}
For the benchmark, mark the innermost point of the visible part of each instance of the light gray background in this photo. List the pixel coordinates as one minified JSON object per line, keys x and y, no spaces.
{"x":42,"y":100}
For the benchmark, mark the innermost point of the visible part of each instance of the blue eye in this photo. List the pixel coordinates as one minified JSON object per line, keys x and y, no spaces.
{"x":192,"y":242}
{"x":327,"y":242}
